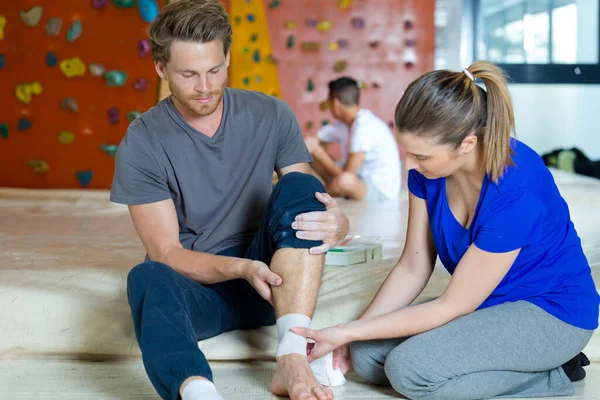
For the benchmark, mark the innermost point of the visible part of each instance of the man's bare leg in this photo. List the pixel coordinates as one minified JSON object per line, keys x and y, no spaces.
{"x":301,"y":273}
{"x":347,"y":185}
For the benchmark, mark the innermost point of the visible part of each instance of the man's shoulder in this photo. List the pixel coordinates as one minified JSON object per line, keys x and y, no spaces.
{"x":257,"y":102}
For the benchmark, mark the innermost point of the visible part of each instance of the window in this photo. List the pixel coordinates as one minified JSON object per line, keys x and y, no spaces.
{"x":539,"y":41}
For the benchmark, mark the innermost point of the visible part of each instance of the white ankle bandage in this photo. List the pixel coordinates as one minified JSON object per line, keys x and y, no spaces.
{"x":324,"y":372}
{"x":292,"y":343}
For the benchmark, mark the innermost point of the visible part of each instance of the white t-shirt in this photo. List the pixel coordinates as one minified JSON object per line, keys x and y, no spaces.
{"x":369,"y":134}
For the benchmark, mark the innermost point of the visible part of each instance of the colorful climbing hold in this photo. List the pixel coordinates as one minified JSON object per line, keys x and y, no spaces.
{"x":250,"y":17}
{"x":333,"y":46}
{"x":310,"y":46}
{"x":309,"y":125}
{"x":99,"y":4}
{"x":115,"y":78}
{"x":38,"y":165}
{"x":409,"y":24}
{"x":133,"y":115}
{"x":324,"y":105}
{"x":148,"y":9}
{"x":2,"y":25}
{"x":254,"y":37}
{"x":84,"y":177}
{"x":4,"y":131}
{"x":238,"y":20}
{"x":51,"y":60}
{"x":25,"y":91}
{"x":66,"y":137}
{"x":141,"y":84}
{"x":271,"y":60}
{"x":69,"y":103}
{"x":124,"y":3}
{"x":340,"y":66}
{"x":376,"y":85}
{"x":53,"y":26}
{"x":74,"y":31}
{"x":256,"y":56}
{"x":374,"y":44}
{"x":33,"y":16}
{"x":143,"y":47}
{"x":110,"y":149}
{"x":72,"y":67}
{"x":310,"y":86}
{"x":259,"y":79}
{"x":324,"y":26}
{"x":290,"y":25}
{"x":312,"y":22}
{"x":343,"y":43}
{"x":290,"y":42}
{"x":2,"y":61}
{"x":410,"y":42}
{"x":114,"y":115}
{"x":23,"y":124}
{"x":358,"y":23}
{"x":246,"y":81}
{"x":324,"y":122}
{"x":97,"y":70}
{"x":344,"y":4}
{"x":274,"y":4}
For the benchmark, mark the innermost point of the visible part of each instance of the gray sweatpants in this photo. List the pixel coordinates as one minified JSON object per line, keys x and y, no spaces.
{"x":509,"y":350}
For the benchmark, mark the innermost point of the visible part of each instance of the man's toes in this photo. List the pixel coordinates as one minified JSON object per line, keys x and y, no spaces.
{"x":322,"y":394}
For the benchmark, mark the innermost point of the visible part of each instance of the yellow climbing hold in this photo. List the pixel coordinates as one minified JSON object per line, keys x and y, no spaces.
{"x":333,"y":46}
{"x":72,"y":67}
{"x":290,"y":25}
{"x":324,"y":26}
{"x":2,"y":25}
{"x":66,"y":137}
{"x":25,"y":91}
{"x":38,"y":165}
{"x":344,"y":3}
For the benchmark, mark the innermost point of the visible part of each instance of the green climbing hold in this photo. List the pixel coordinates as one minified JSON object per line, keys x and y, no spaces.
{"x":110,"y":149}
{"x":309,"y":125}
{"x":311,"y":85}
{"x":274,"y":4}
{"x":254,"y":37}
{"x":290,"y":42}
{"x":84,"y":177}
{"x":133,"y":115}
{"x":4,"y":130}
{"x":325,"y":122}
{"x":124,"y":3}
{"x":115,"y":78}
{"x":246,"y":50}
{"x":246,"y":81}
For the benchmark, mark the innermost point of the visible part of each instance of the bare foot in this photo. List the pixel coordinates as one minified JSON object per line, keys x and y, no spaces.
{"x":294,"y":378}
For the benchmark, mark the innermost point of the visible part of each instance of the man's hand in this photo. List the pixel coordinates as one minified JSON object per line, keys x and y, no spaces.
{"x":330,"y":226}
{"x":260,"y":277}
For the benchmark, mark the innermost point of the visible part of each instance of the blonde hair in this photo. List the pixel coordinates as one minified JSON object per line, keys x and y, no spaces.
{"x":449,"y":106}
{"x":199,"y":21}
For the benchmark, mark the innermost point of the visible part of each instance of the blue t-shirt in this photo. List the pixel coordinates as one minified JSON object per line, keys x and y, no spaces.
{"x":523,"y":210}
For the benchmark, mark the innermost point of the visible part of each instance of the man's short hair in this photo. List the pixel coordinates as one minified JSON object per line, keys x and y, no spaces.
{"x":346,"y":90}
{"x":197,"y":21}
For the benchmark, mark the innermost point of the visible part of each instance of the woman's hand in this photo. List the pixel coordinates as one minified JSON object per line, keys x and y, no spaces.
{"x":342,"y":359}
{"x":326,"y":340}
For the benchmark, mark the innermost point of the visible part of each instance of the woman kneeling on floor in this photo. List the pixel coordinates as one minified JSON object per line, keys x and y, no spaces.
{"x":521,"y":304}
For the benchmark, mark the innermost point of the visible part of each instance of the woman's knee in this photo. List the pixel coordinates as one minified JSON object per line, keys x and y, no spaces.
{"x":365,"y":363}
{"x":409,"y":374}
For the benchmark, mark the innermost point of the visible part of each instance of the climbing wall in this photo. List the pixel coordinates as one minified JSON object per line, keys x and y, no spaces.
{"x":385,"y":44}
{"x":73,"y":74}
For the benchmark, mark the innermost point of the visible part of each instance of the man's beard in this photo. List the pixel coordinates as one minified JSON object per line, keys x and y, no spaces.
{"x":196,"y":107}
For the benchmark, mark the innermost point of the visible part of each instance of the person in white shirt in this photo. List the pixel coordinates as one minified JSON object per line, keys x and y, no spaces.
{"x":370,"y":165}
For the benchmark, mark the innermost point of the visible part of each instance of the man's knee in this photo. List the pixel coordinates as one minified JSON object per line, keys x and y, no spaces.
{"x":145,"y":274}
{"x":295,"y":184}
{"x":347,"y":181}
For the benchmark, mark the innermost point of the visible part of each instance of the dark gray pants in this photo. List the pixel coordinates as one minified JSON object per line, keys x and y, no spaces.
{"x":509,"y":350}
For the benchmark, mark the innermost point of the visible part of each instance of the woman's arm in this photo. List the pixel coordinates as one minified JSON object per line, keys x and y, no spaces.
{"x":477,"y":275}
{"x":412,"y":272}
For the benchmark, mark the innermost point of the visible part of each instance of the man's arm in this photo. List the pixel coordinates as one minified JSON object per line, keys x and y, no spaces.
{"x":157,"y":227}
{"x":355,"y":161}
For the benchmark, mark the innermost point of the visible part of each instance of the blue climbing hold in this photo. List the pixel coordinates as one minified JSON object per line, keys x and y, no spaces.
{"x":2,"y":61}
{"x":256,"y":56}
{"x":254,"y":37}
{"x":51,"y":60}
{"x":148,"y":9}
{"x":250,"y":17}
{"x":23,"y":124}
{"x":84,"y":177}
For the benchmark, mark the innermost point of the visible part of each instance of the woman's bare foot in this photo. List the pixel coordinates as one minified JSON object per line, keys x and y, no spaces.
{"x":294,"y":378}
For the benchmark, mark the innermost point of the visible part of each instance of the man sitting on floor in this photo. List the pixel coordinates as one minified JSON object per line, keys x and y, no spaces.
{"x":370,"y":167}
{"x":225,"y":250}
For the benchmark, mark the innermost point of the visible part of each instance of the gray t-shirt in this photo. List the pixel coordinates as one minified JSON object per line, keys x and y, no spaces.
{"x":220,"y":185}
